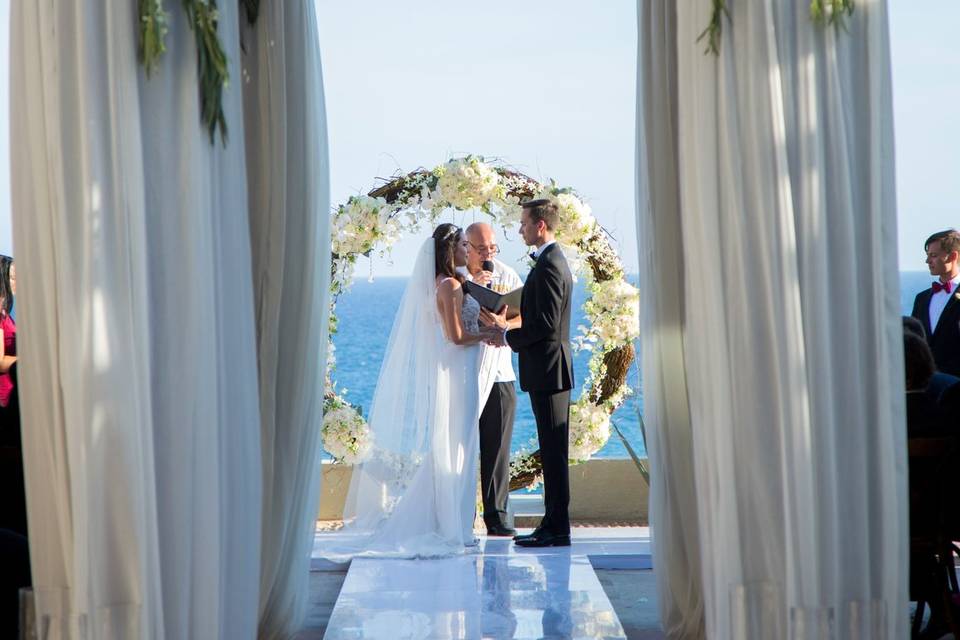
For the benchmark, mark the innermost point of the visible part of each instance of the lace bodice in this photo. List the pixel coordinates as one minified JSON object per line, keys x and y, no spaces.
{"x":471,"y":314}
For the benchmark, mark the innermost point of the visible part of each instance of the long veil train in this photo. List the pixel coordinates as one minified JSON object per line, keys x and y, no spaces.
{"x":415,"y":495}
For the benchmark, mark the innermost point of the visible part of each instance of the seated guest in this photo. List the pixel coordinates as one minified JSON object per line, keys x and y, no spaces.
{"x":925,"y":418}
{"x":913,"y":325}
{"x":943,"y":387}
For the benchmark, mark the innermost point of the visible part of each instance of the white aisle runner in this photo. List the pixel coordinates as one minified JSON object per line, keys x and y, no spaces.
{"x":499,"y":592}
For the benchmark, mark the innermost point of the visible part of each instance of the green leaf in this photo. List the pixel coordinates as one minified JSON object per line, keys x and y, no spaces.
{"x":153,"y":31}
{"x":641,"y":465}
{"x":715,"y":29}
{"x":836,"y":15}
{"x":212,"y":64}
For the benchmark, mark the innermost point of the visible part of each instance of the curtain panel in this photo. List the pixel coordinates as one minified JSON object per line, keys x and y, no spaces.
{"x":790,"y":329}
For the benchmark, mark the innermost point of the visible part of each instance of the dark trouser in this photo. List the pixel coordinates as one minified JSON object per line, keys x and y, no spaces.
{"x":15,"y":574}
{"x":552,"y":411}
{"x":496,"y":430}
{"x":13,"y":500}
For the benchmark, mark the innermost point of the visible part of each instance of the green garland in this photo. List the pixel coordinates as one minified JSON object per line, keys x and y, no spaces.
{"x":212,"y":72}
{"x":822,"y":12}
{"x":715,"y":28}
{"x":211,"y":64}
{"x":833,"y":12}
{"x":153,"y":30}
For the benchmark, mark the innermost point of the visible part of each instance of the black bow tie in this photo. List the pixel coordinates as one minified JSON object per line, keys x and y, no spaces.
{"x":533,"y":256}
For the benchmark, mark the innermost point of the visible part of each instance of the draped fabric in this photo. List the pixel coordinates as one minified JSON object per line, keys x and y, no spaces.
{"x":138,"y":333}
{"x":79,"y":227}
{"x":288,"y":188}
{"x":675,"y":534}
{"x":788,"y":322}
{"x":203,"y":367}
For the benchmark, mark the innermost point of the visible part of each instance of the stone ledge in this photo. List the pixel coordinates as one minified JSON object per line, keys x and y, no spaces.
{"x":602,"y":491}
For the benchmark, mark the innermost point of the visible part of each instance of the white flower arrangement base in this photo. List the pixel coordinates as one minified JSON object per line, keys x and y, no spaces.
{"x":376,"y":221}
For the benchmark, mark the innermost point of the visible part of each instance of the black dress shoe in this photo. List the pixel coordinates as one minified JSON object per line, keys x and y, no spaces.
{"x":500,"y":530}
{"x":521,"y":536}
{"x":543,"y":539}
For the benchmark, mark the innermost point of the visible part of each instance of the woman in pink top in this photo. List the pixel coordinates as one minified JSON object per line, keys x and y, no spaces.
{"x":8,"y":353}
{"x":13,"y":506}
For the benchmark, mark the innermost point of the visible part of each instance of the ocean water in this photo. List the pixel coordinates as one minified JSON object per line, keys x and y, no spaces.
{"x":912,"y":283}
{"x":366,"y":316}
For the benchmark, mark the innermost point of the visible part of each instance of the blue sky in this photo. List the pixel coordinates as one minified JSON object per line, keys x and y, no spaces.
{"x":548,"y":87}
{"x":926,"y":106}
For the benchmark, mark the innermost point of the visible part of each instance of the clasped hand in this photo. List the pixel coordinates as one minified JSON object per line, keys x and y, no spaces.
{"x":494,"y":326}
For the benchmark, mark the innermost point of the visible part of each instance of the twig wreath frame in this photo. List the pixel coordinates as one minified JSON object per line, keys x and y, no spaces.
{"x":374,"y":222}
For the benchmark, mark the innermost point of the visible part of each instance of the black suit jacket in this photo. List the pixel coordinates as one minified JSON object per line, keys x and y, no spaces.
{"x":543,"y":341}
{"x":945,"y":340}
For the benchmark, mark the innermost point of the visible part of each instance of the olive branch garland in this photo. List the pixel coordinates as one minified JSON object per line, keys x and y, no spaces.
{"x":823,"y":13}
{"x":153,"y":30}
{"x":213,"y":75}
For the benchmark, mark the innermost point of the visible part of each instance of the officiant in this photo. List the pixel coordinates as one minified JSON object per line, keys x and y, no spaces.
{"x":496,"y":420}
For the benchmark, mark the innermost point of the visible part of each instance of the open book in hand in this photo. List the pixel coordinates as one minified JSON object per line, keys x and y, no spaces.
{"x":494,"y":301}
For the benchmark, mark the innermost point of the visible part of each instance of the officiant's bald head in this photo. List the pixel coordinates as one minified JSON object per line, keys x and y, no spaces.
{"x":481,"y":232}
{"x":483,"y":244}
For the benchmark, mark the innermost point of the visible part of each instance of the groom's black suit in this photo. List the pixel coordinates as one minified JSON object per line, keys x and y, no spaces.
{"x":944,"y":340}
{"x":546,"y":372}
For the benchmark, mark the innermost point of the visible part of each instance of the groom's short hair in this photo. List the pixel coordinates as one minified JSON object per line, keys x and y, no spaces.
{"x":543,"y":209}
{"x":949,"y":240}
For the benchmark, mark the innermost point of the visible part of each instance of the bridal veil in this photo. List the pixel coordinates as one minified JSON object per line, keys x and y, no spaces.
{"x":414,"y":496}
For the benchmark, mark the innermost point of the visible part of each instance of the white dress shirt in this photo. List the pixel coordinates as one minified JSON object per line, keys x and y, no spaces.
{"x":539,"y":250}
{"x":535,"y":254}
{"x":938,"y":302}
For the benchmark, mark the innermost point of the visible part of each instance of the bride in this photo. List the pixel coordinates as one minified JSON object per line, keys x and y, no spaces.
{"x":415,"y":495}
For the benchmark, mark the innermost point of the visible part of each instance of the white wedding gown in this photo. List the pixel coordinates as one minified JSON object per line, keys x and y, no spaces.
{"x":415,"y":496}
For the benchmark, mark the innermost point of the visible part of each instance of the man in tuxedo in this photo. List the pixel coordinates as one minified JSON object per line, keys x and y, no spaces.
{"x":546,"y":364}
{"x":938,"y":308}
{"x":496,"y":420}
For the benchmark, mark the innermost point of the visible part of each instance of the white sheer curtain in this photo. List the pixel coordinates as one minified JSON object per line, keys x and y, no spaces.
{"x":670,"y":441}
{"x":138,"y":364}
{"x":789,"y":332}
{"x":289,"y":212}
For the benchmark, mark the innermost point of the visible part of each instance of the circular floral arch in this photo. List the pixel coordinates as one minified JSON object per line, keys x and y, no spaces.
{"x":374,"y":222}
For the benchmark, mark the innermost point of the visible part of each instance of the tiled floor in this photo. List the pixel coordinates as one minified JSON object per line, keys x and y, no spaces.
{"x":500,"y":592}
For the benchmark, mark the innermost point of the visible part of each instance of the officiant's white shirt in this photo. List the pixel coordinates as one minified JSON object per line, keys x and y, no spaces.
{"x":502,"y":275}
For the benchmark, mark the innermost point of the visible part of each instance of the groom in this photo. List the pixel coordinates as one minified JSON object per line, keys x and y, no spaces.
{"x":546,"y":365}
